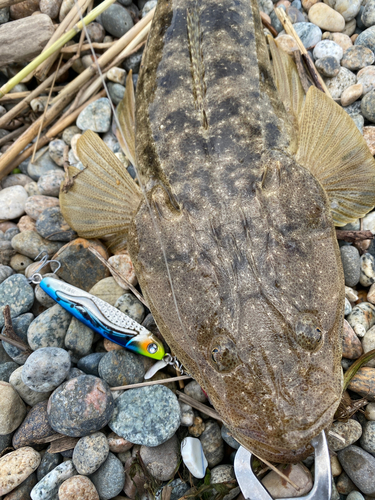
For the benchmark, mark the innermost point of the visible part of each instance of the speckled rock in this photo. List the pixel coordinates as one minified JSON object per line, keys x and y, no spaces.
{"x":97,"y":115}
{"x":131,"y":306}
{"x":363,"y":383}
{"x":12,"y":202}
{"x":16,"y":292}
{"x":351,"y":345}
{"x":369,"y":137}
{"x":339,"y":83}
{"x":351,"y":94}
{"x":109,"y":479}
{"x":279,"y":488}
{"x":187,"y":415}
{"x":194,"y":390}
{"x":12,"y":409}
{"x":351,"y":431}
{"x":48,"y":463}
{"x":367,"y":277}
{"x":22,"y":492}
{"x":368,"y":106}
{"x":368,"y":14}
{"x":5,"y":272}
{"x":161,"y":461}
{"x":309,"y":33}
{"x":16,"y":466}
{"x":6,"y":369}
{"x":32,"y":189}
{"x":362,"y":318}
{"x":15,"y":180}
{"x":56,"y":151}
{"x":328,"y":48}
{"x":78,"y":487}
{"x":117,"y":75}
{"x":90,"y":363}
{"x":326,"y":18}
{"x":90,"y":453}
{"x":212,"y":443}
{"x":367,"y":38}
{"x":121,"y":368}
{"x":79,"y":266}
{"x":52,"y":226}
{"x":123,"y":265}
{"x":6,"y":252}
{"x":30,"y":243}
{"x":108,"y":290}
{"x":79,"y":338}
{"x":46,"y":368}
{"x":118,"y":444}
{"x":49,"y":183}
{"x":48,"y":487}
{"x":368,"y":437}
{"x":26,"y":223}
{"x":69,"y":132}
{"x":35,"y":205}
{"x":368,"y":344}
{"x":370,"y":412}
{"x":344,"y":484}
{"x":43,"y":163}
{"x":34,"y":427}
{"x":80,"y":406}
{"x":328,"y":66}
{"x":348,"y":8}
{"x":41,"y":296}
{"x":360,"y":467}
{"x":49,"y":328}
{"x":357,"y":57}
{"x":351,"y":263}
{"x":149,"y":415}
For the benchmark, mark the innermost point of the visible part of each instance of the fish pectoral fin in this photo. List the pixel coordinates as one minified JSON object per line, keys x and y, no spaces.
{"x":126,"y":116}
{"x":104,"y":197}
{"x":289,"y":87}
{"x":331,"y":147}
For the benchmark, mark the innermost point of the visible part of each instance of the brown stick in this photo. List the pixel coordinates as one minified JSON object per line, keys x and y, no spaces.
{"x":352,"y":236}
{"x":14,"y":96}
{"x":267,"y":25}
{"x":302,"y":73}
{"x":198,"y":406}
{"x":153,"y":382}
{"x":10,"y":335}
{"x":64,"y":444}
{"x":13,"y":135}
{"x":96,"y":45}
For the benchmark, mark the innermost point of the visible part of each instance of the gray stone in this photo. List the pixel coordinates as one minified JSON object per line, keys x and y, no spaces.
{"x":359,"y":122}
{"x":265,"y":6}
{"x":116,"y":92}
{"x":355,"y":495}
{"x":52,"y":226}
{"x":161,"y":461}
{"x":228,"y":437}
{"x":357,"y":57}
{"x":48,"y":463}
{"x":56,"y":151}
{"x":12,"y":202}
{"x":179,"y":488}
{"x":194,"y":390}
{"x":49,"y":328}
{"x":12,"y":409}
{"x":117,"y":21}
{"x":133,"y":62}
{"x":328,"y":66}
{"x":351,"y":263}
{"x":20,"y":326}
{"x":212,"y":443}
{"x":46,"y":368}
{"x":5,"y":272}
{"x":149,"y":415}
{"x":16,"y":292}
{"x":49,"y":183}
{"x":368,"y":106}
{"x":368,"y":14}
{"x":97,"y":115}
{"x":69,"y":132}
{"x":131,"y":306}
{"x":43,"y":163}
{"x":4,"y":18}
{"x":339,"y":83}
{"x":187,"y":414}
{"x":47,"y":488}
{"x":368,"y":437}
{"x":6,"y":252}
{"x":109,"y":479}
{"x":35,"y":205}
{"x":90,"y":363}
{"x":41,"y":296}
{"x":30,"y":243}
{"x":367,"y":38}
{"x":121,"y":367}
{"x":347,"y":8}
{"x":6,"y":369}
{"x":360,"y":467}
{"x":79,"y":338}
{"x":90,"y":453}
{"x":309,"y":33}
{"x":350,"y":431}
{"x":29,"y":396}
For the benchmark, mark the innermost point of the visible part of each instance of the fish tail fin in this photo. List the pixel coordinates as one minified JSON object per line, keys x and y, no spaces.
{"x":126,"y":117}
{"x":103,"y":198}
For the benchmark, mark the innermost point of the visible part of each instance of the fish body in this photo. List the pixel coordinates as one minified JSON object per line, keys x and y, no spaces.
{"x":232,"y":232}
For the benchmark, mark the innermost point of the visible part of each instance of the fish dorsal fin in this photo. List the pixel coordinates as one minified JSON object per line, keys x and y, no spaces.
{"x":126,"y":116}
{"x":331,"y":147}
{"x":103,"y":197}
{"x":289,"y":87}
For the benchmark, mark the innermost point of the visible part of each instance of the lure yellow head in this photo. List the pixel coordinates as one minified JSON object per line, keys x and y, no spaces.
{"x":147,"y":345}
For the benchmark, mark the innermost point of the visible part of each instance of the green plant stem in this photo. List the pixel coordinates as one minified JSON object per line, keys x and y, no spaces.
{"x":349,"y":374}
{"x":54,"y":47}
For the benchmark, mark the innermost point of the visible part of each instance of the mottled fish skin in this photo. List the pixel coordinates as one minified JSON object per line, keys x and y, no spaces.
{"x":247,"y":232}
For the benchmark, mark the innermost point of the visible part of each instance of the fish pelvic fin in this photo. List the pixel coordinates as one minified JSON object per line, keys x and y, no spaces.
{"x":331,"y":147}
{"x":103,"y":197}
{"x":126,"y":116}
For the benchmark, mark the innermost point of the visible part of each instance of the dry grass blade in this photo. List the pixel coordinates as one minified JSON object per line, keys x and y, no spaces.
{"x":86,"y":46}
{"x":153,"y":382}
{"x":349,"y":374}
{"x":126,"y":117}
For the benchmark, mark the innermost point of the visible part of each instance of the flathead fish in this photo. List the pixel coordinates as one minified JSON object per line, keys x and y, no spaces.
{"x":232,"y":232}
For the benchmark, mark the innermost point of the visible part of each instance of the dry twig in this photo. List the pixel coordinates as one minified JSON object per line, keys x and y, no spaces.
{"x":352,"y":236}
{"x":152,"y":382}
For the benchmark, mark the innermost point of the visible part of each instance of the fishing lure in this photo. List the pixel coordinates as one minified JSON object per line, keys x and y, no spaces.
{"x":100,"y":316}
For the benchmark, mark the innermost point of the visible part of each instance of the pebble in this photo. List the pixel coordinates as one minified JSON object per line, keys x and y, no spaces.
{"x":148,"y":6}
{"x":187,"y":415}
{"x":228,"y":437}
{"x":15,"y":180}
{"x":79,"y":266}
{"x":369,"y":137}
{"x":12,"y":409}
{"x":212,"y":443}
{"x":118,"y":444}
{"x":309,"y":33}
{"x":48,"y":463}
{"x":5,"y":272}
{"x":48,"y":487}
{"x":368,"y":344}
{"x":198,"y":427}
{"x":351,"y":263}
{"x":35,"y":205}
{"x":97,"y":115}
{"x":16,"y":292}
{"x":52,"y":225}
{"x":131,"y":306}
{"x":351,"y":431}
{"x":368,"y":14}
{"x":49,"y":328}
{"x":360,"y":467}
{"x":362,"y":318}
{"x":9,"y":233}
{"x":117,"y":21}
{"x":31,"y":244}
{"x":26,"y":223}
{"x":96,"y":32}
{"x":117,"y":75}
{"x":90,"y":453}
{"x":194,"y":390}
{"x":22,"y":492}
{"x":367,"y":39}
{"x":50,"y":7}
{"x":295,"y":15}
{"x":350,"y":28}
{"x":29,"y":396}
{"x":339,"y":38}
{"x":116,"y":92}
{"x":90,"y":363}
{"x":326,"y":18}
{"x":19,"y":263}
{"x":161,"y":461}
{"x":6,"y":369}
{"x":368,"y":106}
{"x":12,"y":202}
{"x":359,"y":122}
{"x":66,"y":6}
{"x":43,"y":163}
{"x":46,"y":368}
{"x":367,"y":277}
{"x":23,"y":9}
{"x":79,"y":338}
{"x":344,"y":484}
{"x":49,"y":183}
{"x":56,"y":151}
{"x":109,"y":479}
{"x":351,"y":345}
{"x":367,"y":440}
{"x":80,"y":406}
{"x":41,"y":296}
{"x":355,"y":495}
{"x":348,"y":8}
{"x":363,"y":383}
{"x":17,"y":466}
{"x":148,"y":416}
{"x":357,"y":57}
{"x":6,"y":252}
{"x":121,"y":368}
{"x":336,"y":468}
{"x":78,"y":487}
{"x":341,"y":82}
{"x":124,"y":266}
{"x":34,"y":427}
{"x":5,"y":441}
{"x":69,"y":132}
{"x":279,"y":488}
{"x":351,"y":94}
{"x":193,"y":456}
{"x":328,"y":66}
{"x":108,"y":290}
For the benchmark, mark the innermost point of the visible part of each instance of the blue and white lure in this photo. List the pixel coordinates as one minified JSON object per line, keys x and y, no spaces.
{"x":100,"y":316}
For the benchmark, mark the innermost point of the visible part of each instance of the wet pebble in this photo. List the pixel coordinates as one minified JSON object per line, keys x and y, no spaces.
{"x":29,"y":396}
{"x":48,"y":463}
{"x":351,"y":263}
{"x":47,"y":488}
{"x":149,"y":415}
{"x":360,"y":467}
{"x":131,"y":306}
{"x":12,"y":409}
{"x":350,"y":431}
{"x":328,"y":48}
{"x":121,"y":368}
{"x":351,"y":345}
{"x":90,"y":453}
{"x":97,"y":115}
{"x":16,"y":466}
{"x":49,"y":328}
{"x":52,"y":225}
{"x":79,"y":338}
{"x":49,"y":183}
{"x":56,"y":151}
{"x":71,"y":409}
{"x":109,"y":479}
{"x":12,"y":202}
{"x":46,"y":368}
{"x":326,"y":18}
{"x":161,"y":461}
{"x":279,"y":488}
{"x":309,"y":33}
{"x":339,"y":83}
{"x":78,"y":487}
{"x":328,"y":66}
{"x":16,"y":292}
{"x":228,"y":437}
{"x":90,"y":363}
{"x":30,"y":243}
{"x":212,"y":443}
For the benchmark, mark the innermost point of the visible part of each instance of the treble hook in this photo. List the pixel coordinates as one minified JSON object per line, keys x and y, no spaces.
{"x":37,"y":277}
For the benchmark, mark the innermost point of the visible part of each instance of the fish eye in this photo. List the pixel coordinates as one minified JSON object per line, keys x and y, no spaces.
{"x":308,"y":332}
{"x":214,"y":351}
{"x":152,"y":348}
{"x":223,"y":353}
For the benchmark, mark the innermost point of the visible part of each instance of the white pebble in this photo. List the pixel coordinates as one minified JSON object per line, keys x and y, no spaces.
{"x":193,"y":457}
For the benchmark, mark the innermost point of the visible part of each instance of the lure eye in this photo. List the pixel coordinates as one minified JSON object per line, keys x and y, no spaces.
{"x":152,"y":348}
